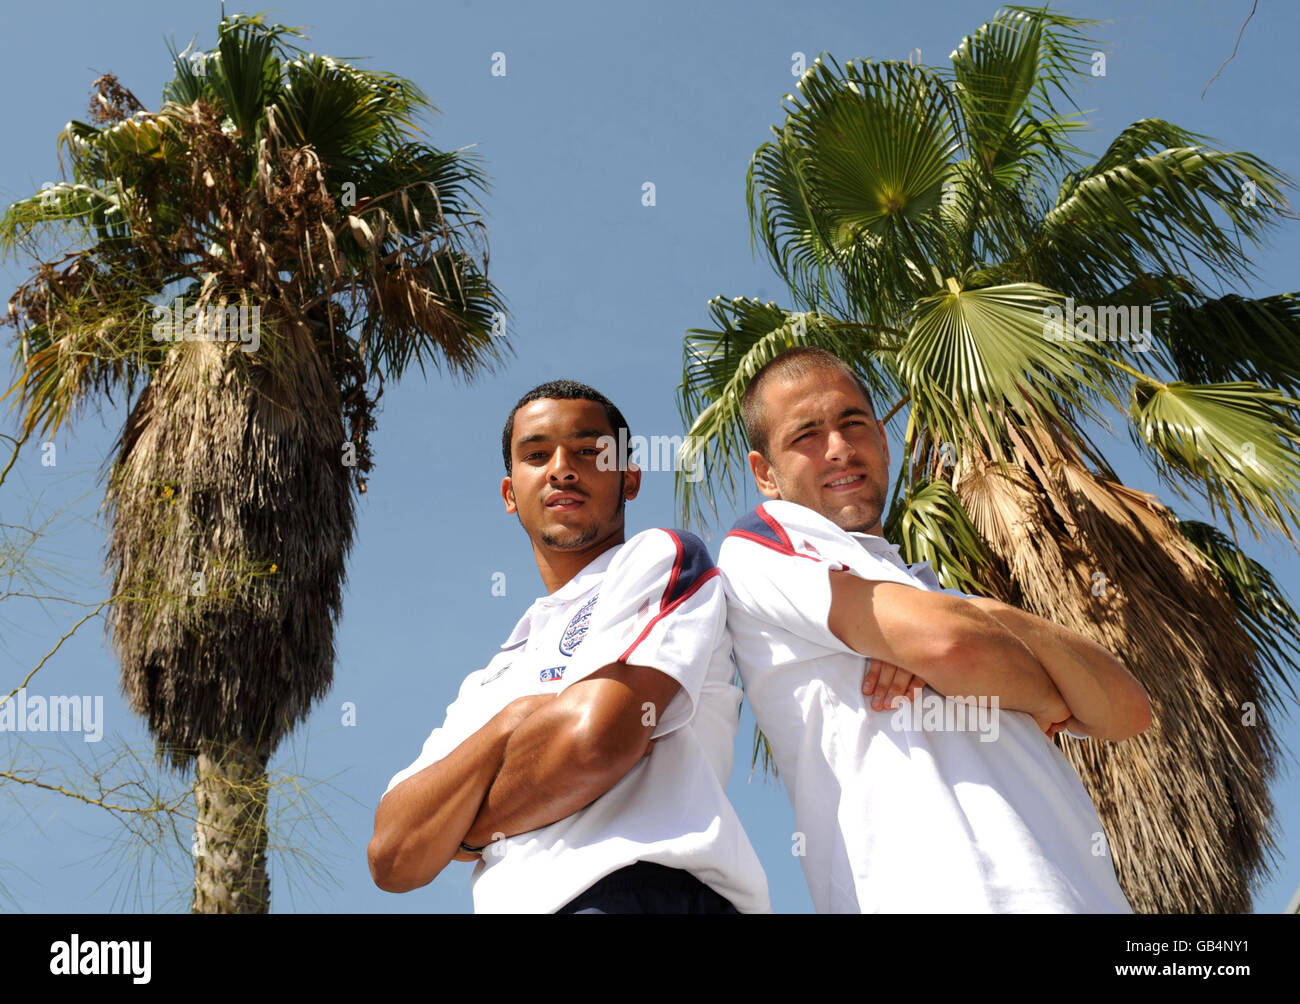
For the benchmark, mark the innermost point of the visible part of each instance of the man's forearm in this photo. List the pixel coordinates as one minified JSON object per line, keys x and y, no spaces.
{"x":420,"y":823}
{"x":998,"y":664}
{"x":1104,"y":698}
{"x":558,"y":761}
{"x":956,"y":648}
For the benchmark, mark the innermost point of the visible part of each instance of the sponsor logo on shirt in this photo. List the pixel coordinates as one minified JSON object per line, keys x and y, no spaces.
{"x":577,"y":629}
{"x":554,"y":673}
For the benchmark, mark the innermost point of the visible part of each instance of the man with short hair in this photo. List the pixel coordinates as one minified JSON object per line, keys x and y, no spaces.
{"x":905,"y":810}
{"x":583,"y":768}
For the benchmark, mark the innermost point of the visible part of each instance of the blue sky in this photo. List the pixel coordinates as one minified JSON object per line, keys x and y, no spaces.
{"x":596,"y":100}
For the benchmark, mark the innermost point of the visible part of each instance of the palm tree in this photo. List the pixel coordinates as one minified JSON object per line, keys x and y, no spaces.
{"x":292,"y":186}
{"x":933,"y":227}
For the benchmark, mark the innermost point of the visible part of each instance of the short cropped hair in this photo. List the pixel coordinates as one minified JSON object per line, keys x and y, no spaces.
{"x":564,"y":390}
{"x":789,"y":365}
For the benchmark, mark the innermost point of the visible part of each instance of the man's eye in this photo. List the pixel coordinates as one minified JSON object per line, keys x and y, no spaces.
{"x":533,"y":456}
{"x":803,"y":437}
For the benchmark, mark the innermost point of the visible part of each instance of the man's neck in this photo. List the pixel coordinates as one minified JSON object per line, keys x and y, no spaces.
{"x":557,"y":566}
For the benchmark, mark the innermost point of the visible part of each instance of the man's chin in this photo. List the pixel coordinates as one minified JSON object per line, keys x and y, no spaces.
{"x":856,"y":513}
{"x":569,"y":539}
{"x":853,"y":517}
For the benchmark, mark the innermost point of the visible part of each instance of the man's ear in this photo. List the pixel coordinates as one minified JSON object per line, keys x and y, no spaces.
{"x":763,"y":475}
{"x":508,"y":494}
{"x":631,"y":481}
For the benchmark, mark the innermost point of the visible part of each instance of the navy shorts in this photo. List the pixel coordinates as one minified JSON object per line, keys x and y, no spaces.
{"x":645,"y":887}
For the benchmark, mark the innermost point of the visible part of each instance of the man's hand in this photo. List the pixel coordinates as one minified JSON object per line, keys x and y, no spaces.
{"x":888,"y":683}
{"x":508,"y":719}
{"x":571,"y":751}
{"x":420,"y":824}
{"x":1071,"y":724}
{"x":1053,"y":718}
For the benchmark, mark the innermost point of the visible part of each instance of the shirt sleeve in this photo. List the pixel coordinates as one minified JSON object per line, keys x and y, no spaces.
{"x":458,"y":725}
{"x":661,"y":605}
{"x":777,"y":561}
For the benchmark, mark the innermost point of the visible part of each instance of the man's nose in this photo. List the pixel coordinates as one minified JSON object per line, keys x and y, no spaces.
{"x":562,"y":466}
{"x":837,"y":447}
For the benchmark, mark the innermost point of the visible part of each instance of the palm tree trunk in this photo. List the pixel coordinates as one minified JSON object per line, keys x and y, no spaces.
{"x":230,"y":850}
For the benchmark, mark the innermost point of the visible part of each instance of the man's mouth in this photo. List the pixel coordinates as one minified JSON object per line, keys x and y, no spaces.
{"x":564,"y":501}
{"x":845,"y":482}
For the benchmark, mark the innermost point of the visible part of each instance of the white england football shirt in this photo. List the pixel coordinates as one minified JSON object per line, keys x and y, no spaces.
{"x":908,"y":810}
{"x":656,"y":600}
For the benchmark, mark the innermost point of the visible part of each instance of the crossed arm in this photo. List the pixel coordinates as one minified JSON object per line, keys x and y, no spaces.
{"x":538,"y":760}
{"x":979,"y":647}
{"x":1105,"y":700}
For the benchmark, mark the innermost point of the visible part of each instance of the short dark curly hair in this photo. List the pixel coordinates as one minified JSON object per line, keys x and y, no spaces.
{"x":564,"y":390}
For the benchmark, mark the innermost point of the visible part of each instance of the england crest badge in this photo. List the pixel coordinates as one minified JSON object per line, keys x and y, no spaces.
{"x":577,"y":628}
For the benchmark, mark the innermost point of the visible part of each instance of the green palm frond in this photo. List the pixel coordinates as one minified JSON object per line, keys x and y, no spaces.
{"x":1161,"y":210}
{"x":853,"y":182}
{"x":66,"y":201}
{"x":440,"y":313}
{"x":344,"y":112}
{"x":1235,"y":338}
{"x":102,"y":345}
{"x":782,"y":219}
{"x":1008,"y":77}
{"x":1143,"y":138}
{"x":1262,"y":605}
{"x":901,"y":117}
{"x":974,"y":357}
{"x":1235,"y":444}
{"x":242,"y":73}
{"x":762,"y":756}
{"x":931,"y":524}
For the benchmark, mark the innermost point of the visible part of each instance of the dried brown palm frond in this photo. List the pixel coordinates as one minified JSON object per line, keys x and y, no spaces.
{"x":1109,"y":562}
{"x":231,"y":521}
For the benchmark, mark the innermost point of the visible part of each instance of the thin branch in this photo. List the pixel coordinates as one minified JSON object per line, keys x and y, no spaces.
{"x":42,"y":596}
{"x":71,"y":631}
{"x":1234,"y":48}
{"x":29,"y":425}
{"x":142,"y":810}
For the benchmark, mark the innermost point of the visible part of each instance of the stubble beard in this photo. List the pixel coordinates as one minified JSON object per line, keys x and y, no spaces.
{"x":576,"y":539}
{"x":856,"y":517}
{"x":570,"y":542}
